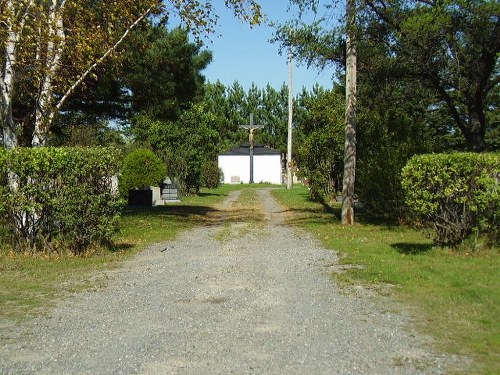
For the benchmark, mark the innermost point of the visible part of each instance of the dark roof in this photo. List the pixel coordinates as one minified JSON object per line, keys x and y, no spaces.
{"x":258,"y":149}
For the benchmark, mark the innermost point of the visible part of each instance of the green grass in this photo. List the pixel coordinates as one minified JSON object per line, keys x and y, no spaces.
{"x":455,"y":297}
{"x":29,"y":285}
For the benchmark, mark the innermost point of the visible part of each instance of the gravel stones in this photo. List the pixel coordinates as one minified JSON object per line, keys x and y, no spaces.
{"x":261,"y":303}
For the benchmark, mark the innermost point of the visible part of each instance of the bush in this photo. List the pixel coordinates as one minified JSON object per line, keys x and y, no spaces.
{"x":455,"y":195}
{"x":379,"y":183}
{"x":211,"y":175}
{"x":321,"y":161}
{"x":141,"y":168}
{"x":59,"y":198}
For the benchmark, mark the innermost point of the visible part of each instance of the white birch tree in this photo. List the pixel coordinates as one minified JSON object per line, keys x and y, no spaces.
{"x":14,"y":16}
{"x":64,"y":43}
{"x":54,"y":51}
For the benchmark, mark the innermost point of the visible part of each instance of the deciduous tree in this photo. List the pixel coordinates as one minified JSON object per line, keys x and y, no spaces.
{"x":453,"y":47}
{"x":58,"y":44}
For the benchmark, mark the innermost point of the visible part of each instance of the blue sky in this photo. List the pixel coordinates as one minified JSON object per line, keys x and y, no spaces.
{"x":245,"y":55}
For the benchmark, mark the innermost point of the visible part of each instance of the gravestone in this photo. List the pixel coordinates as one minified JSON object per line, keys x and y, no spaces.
{"x":140,"y":197}
{"x":169,"y":191}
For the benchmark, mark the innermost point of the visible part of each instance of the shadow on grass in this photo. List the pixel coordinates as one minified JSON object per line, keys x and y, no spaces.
{"x":171,"y":210}
{"x":197,"y":215}
{"x":412,"y":248}
{"x":211,"y":194}
{"x":120,"y":247}
{"x":331,"y":213}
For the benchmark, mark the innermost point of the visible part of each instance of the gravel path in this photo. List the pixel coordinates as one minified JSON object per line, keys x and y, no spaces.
{"x":258,"y":303}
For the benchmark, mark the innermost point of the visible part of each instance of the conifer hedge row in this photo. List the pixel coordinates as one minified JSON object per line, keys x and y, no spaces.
{"x":59,"y":198}
{"x":455,"y":194}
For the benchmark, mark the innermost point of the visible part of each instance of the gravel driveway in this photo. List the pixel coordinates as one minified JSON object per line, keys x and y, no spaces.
{"x":260,"y":302}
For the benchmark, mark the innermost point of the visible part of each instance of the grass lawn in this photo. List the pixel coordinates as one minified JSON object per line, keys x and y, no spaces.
{"x":28,"y":285}
{"x":455,"y":297}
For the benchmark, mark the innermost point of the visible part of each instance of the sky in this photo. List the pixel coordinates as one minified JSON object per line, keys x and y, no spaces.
{"x":244,"y":54}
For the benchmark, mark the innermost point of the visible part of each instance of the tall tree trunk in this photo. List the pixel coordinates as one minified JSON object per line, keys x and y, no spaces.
{"x":475,"y":132}
{"x":7,"y":77}
{"x":350,"y":119}
{"x":44,"y":112}
{"x":16,"y":13}
{"x":7,"y":83}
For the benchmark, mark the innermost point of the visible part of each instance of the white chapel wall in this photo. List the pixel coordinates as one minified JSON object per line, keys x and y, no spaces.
{"x":235,"y":166}
{"x":267,"y":168}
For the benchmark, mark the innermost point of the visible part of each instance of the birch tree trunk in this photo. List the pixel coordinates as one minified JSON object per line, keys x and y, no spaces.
{"x":44,"y":108}
{"x":350,"y":119}
{"x":7,"y":87}
{"x":15,"y":12}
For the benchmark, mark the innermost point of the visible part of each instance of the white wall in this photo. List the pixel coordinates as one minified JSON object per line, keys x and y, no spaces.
{"x":235,"y":165}
{"x":266,"y":168}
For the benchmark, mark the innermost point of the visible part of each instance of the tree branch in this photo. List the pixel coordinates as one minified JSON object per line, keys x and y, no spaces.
{"x":101,"y":59}
{"x":449,"y":103}
{"x":489,"y":58}
{"x":492,"y":84}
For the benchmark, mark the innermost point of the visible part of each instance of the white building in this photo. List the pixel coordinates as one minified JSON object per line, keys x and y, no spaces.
{"x":235,"y":165}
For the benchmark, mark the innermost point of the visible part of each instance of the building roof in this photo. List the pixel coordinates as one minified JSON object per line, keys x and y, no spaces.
{"x":258,"y":149}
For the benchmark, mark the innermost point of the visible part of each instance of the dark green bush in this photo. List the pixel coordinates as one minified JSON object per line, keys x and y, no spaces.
{"x":211,"y":175}
{"x":141,"y":168}
{"x":59,"y":198}
{"x":320,"y":159}
{"x":378,"y":183}
{"x":454,"y":194}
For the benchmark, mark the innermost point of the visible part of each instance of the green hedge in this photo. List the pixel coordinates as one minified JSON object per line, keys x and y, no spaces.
{"x":59,"y":198}
{"x":454,"y":194}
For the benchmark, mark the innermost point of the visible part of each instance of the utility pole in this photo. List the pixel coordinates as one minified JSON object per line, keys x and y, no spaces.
{"x":289,"y":167}
{"x":350,"y":118}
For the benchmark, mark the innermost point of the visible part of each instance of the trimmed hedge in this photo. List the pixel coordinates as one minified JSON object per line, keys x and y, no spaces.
{"x":141,"y":168}
{"x":455,"y":195}
{"x":59,"y":198}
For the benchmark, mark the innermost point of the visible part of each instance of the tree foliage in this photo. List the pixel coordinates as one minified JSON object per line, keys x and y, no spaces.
{"x":185,"y":144}
{"x":50,"y":48}
{"x":320,"y":152}
{"x":163,"y":71}
{"x":449,"y":47}
{"x":452,"y":47}
{"x":160,"y":73}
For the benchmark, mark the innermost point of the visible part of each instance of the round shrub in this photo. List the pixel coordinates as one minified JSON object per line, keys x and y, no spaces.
{"x":141,"y":168}
{"x":211,"y":175}
{"x":454,"y":194}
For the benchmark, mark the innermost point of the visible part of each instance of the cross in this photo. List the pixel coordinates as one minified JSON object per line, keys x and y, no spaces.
{"x":251,"y":127}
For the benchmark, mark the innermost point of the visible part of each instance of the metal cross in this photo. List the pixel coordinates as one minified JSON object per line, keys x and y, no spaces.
{"x":251,"y":127}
